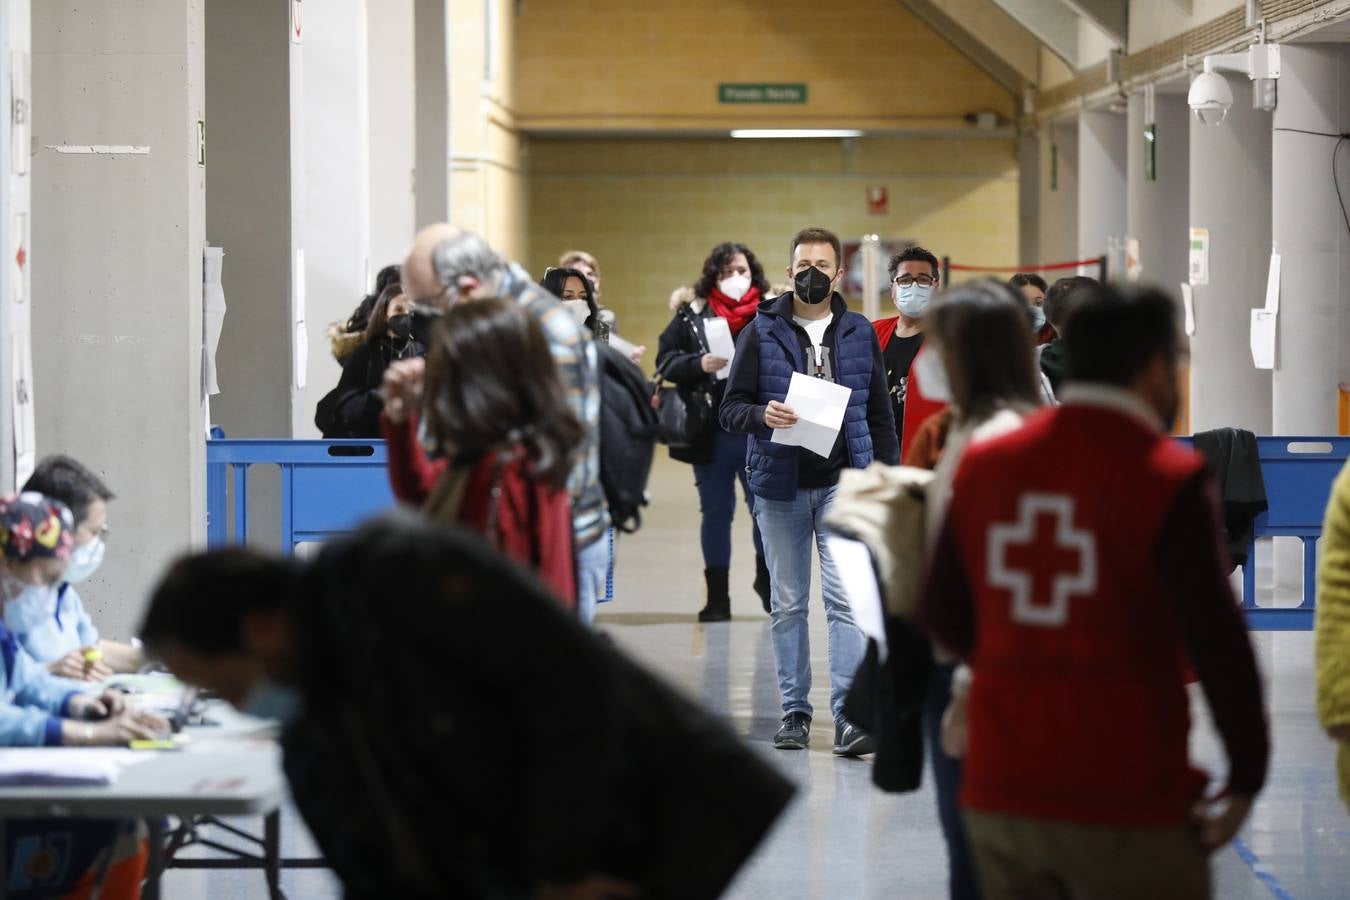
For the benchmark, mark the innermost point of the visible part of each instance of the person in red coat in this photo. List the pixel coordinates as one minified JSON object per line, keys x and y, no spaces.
{"x":1079,"y":570}
{"x":914,"y":278}
{"x":505,"y":435}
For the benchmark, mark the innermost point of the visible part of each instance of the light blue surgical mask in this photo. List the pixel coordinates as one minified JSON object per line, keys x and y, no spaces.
{"x":1037,"y":319}
{"x":269,"y":700}
{"x":27,"y":605}
{"x":912,"y":299}
{"x":85,"y":560}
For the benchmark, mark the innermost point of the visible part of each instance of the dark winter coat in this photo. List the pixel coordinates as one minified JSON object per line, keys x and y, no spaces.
{"x":680,"y":357}
{"x":352,"y":409}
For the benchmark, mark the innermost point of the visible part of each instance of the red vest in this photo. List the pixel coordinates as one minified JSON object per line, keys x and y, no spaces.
{"x":1078,"y":710}
{"x":917,"y":407}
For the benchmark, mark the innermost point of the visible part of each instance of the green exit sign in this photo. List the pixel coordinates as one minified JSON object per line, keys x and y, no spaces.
{"x":761,"y":93}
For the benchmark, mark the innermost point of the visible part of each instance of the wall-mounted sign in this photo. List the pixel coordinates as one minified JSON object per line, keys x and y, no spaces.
{"x":1199,"y":257}
{"x":761,"y":93}
{"x":1054,"y":167}
{"x":1151,"y":153}
{"x":297,"y":22}
{"x":878,"y":200}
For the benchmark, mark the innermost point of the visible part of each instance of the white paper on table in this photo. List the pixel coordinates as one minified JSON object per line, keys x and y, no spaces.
{"x":1263,"y":338}
{"x":857,"y":575}
{"x":64,"y":766}
{"x":819,"y":406}
{"x":1273,"y":285}
{"x":720,"y":343}
{"x":1188,"y":303}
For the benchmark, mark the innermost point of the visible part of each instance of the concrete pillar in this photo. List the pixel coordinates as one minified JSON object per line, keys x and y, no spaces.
{"x":393,"y":130}
{"x":1230,"y":195}
{"x":1058,"y":230}
{"x":1101,"y":182}
{"x":254,"y":187}
{"x":336,"y":222}
{"x":117,"y":251}
{"x":1156,"y":211}
{"x":431,"y":48}
{"x":1311,"y":236}
{"x":16,"y":419}
{"x":1028,"y":197}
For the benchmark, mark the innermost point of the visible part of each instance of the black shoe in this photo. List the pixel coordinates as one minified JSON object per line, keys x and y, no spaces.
{"x":850,"y":740}
{"x":794,"y":733}
{"x":718,"y":608}
{"x":762,"y":580}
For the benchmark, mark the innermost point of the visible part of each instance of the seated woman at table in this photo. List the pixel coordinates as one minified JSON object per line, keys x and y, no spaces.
{"x":56,"y":857}
{"x":51,"y":624}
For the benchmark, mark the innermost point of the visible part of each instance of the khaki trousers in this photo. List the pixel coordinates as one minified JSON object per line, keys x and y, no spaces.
{"x":1037,"y":859}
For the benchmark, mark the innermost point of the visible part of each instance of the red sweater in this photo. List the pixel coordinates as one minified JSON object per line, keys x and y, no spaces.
{"x":534,"y":520}
{"x":917,"y":406}
{"x":1079,"y":567}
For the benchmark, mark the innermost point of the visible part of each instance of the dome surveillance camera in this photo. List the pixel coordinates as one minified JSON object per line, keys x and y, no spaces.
{"x":1210,"y":98}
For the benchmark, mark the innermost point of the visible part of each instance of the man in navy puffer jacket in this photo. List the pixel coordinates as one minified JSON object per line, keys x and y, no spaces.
{"x":810,"y":331}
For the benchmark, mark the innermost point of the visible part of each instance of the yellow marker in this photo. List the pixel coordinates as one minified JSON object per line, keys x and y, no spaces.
{"x":153,"y":745}
{"x":93,"y":655}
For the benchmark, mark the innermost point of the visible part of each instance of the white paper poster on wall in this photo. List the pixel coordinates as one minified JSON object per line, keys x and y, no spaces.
{"x":1188,"y":305}
{"x":25,"y":442}
{"x":1133,"y":268}
{"x":301,"y":336}
{"x":1199,"y":256}
{"x":297,"y":22}
{"x":21,"y":112}
{"x":213,"y":316}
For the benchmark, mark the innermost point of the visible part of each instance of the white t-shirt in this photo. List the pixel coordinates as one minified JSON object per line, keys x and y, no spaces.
{"x":815,"y":330}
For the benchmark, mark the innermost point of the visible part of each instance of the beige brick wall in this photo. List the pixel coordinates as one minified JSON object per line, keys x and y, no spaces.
{"x":650,"y":210}
{"x":611,"y":64}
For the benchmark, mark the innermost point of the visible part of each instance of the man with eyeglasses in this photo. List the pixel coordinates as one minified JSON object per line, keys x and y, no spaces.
{"x":914,"y":279}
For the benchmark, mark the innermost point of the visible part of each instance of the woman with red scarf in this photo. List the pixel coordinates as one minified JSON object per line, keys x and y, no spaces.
{"x":731,"y":288}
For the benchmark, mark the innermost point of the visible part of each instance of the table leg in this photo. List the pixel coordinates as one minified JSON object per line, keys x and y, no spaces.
{"x":272,"y":854}
{"x":154,"y":869}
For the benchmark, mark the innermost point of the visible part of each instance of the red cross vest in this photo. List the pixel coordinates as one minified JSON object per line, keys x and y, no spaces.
{"x":1078,"y":710}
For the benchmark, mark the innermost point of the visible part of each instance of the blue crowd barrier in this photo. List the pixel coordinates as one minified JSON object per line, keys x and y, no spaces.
{"x":328,"y":488}
{"x":1298,"y":472}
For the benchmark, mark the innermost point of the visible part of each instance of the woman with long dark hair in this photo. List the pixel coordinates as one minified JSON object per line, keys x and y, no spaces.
{"x":982,"y":359}
{"x":731,"y":287}
{"x":496,"y":412}
{"x":352,"y":409}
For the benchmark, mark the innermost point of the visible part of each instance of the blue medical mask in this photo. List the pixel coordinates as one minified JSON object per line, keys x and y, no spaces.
{"x":1037,"y":320}
{"x":27,"y":605}
{"x":269,"y":700}
{"x":912,"y":299}
{"x":85,"y":560}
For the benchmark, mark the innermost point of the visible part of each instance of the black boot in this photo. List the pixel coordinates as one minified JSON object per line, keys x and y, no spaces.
{"x":719,"y":597}
{"x":762,"y":580}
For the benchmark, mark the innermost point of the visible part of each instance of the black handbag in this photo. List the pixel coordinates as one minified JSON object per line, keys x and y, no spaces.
{"x":682,"y":414}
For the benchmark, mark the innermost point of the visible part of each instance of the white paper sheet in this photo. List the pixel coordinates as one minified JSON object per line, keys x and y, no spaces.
{"x":25,"y":431}
{"x":720,"y":343}
{"x":819,"y":406}
{"x":1273,"y":285}
{"x":853,"y":562}
{"x":1188,"y":303}
{"x":1263,"y":338}
{"x":1199,"y":256}
{"x":64,"y":766}
{"x":213,"y":316}
{"x":1133,"y":266}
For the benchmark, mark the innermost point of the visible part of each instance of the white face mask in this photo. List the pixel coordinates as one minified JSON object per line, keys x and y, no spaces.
{"x":735,"y":287}
{"x":932,"y":375}
{"x":85,"y":560}
{"x":911,"y":299}
{"x":580,"y":310}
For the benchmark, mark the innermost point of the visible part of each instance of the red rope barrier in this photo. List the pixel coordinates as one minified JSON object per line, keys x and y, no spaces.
{"x":1047,"y":267}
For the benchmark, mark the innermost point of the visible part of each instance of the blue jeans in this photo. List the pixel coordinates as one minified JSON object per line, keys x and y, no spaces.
{"x":592,"y":573}
{"x":716,"y":483}
{"x":947,"y":779}
{"x":787,"y":528}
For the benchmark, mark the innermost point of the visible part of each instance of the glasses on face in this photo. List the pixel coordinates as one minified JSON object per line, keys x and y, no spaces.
{"x":920,"y":280}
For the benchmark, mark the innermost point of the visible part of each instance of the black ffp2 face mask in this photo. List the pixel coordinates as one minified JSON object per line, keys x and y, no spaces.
{"x":813,"y":286}
{"x":400,"y":326}
{"x":423,"y":318}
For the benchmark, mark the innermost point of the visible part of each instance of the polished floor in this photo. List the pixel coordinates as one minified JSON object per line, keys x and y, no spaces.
{"x":842,"y":839}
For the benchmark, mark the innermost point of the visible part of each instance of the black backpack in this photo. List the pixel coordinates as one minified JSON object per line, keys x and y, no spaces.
{"x":627,"y":437}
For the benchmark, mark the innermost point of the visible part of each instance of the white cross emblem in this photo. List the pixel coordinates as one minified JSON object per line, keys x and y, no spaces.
{"x":1043,"y":560}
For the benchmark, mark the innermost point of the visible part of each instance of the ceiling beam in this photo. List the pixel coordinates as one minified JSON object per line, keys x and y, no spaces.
{"x":977,"y":51}
{"x":1111,"y":16}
